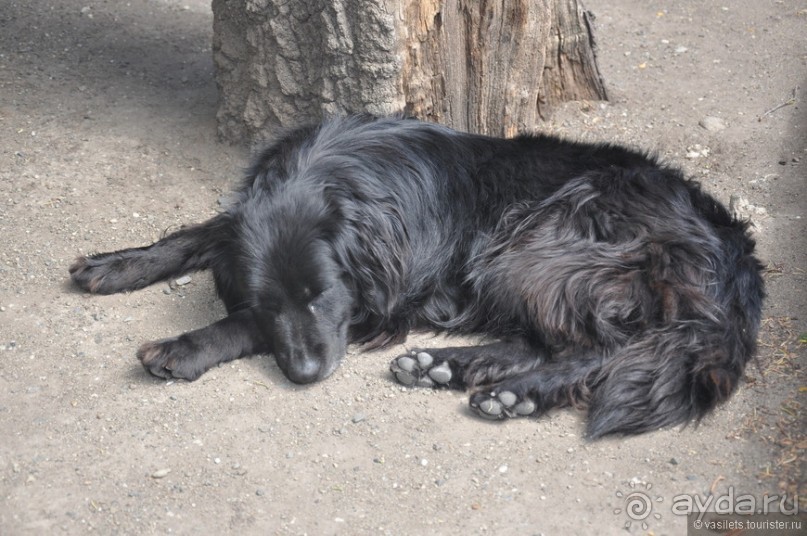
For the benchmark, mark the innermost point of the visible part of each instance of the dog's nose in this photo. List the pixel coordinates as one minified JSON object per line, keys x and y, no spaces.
{"x":303,"y":371}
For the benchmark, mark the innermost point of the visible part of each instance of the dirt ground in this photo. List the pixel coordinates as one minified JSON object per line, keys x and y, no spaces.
{"x":108,"y":138}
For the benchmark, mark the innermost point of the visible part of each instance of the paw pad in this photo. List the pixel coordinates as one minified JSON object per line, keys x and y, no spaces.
{"x":501,"y":405}
{"x":418,"y":369}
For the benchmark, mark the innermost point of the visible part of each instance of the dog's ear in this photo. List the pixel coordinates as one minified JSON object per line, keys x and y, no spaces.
{"x":332,"y":216}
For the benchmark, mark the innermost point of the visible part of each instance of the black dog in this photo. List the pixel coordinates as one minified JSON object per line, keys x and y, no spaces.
{"x":607,"y":279}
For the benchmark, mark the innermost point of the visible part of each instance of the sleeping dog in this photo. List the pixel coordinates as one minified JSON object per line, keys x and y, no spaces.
{"x":601,"y":277}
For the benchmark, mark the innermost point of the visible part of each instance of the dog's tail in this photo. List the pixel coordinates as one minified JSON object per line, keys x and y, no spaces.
{"x":684,"y":367}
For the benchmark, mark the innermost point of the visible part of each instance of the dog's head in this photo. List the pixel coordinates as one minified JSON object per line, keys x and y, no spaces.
{"x":301,"y":298}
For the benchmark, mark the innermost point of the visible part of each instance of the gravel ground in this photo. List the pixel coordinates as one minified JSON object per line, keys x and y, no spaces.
{"x":107,"y":140}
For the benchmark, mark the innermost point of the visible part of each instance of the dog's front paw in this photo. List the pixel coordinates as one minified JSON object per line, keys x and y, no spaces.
{"x":104,"y":273}
{"x":501,"y":405}
{"x":172,"y":358}
{"x":88,"y":274}
{"x":419,"y":368}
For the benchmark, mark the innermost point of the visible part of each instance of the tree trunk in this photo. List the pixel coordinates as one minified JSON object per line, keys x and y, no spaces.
{"x":486,"y":66}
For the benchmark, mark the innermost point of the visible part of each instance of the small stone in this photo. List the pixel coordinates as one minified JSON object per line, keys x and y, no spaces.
{"x":673,"y":461}
{"x":737,"y":203}
{"x":697,"y":151}
{"x":680,"y":49}
{"x":760,"y":211}
{"x":160,"y":473}
{"x":260,"y":492}
{"x":503,"y":469}
{"x":184,"y":280}
{"x":358,"y":417}
{"x":712,"y":124}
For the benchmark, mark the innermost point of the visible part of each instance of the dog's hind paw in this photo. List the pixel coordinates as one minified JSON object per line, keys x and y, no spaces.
{"x":502,"y":405}
{"x":419,"y":369}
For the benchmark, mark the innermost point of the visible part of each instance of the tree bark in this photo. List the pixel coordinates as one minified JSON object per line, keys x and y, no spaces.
{"x":486,"y":66}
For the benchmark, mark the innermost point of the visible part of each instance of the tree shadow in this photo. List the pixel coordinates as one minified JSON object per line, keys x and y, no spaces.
{"x":111,"y":54}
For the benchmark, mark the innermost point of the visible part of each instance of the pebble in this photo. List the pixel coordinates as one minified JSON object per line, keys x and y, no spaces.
{"x":697,"y":151}
{"x":358,"y":417}
{"x":184,"y":280}
{"x":260,"y":492}
{"x":740,"y":207}
{"x":160,"y":473}
{"x":712,"y":124}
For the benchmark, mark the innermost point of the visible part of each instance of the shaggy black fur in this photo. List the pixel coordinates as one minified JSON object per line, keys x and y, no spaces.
{"x":609,"y":279}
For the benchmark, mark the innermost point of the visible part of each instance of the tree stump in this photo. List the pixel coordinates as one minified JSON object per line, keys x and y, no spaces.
{"x":486,"y":66}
